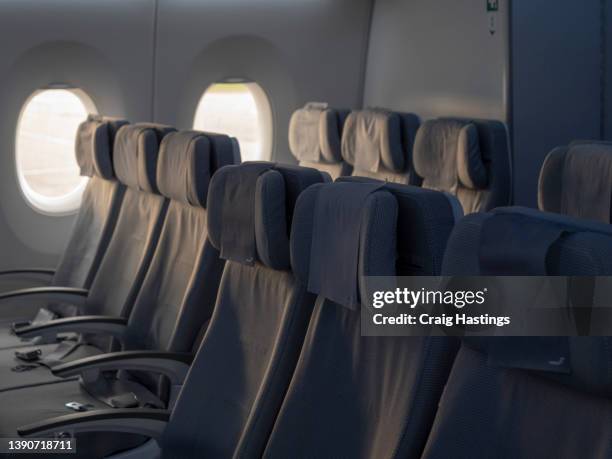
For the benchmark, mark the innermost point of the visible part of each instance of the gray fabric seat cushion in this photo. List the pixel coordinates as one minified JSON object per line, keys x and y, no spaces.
{"x":467,"y":158}
{"x":315,"y":133}
{"x":138,"y":225}
{"x":378,"y":144}
{"x":246,"y":358}
{"x":100,"y":204}
{"x":577,"y":181}
{"x":352,"y":396}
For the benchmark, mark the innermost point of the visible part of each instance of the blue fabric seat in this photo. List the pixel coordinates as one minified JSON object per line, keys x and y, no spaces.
{"x":354,"y":396}
{"x":530,"y":408}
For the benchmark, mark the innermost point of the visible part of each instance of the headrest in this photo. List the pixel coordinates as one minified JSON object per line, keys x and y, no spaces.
{"x":250,"y":209}
{"x":447,"y":152}
{"x":187,"y":161}
{"x":315,"y":132}
{"x":577,"y":181}
{"x":515,"y":241}
{"x":135,"y":155}
{"x":94,"y":144}
{"x":346,"y":230}
{"x":376,"y":136}
{"x":520,"y":241}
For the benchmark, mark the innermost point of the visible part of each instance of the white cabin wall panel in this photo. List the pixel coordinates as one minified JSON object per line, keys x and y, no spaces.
{"x":297,"y":51}
{"x":105,"y":48}
{"x":438,"y":58}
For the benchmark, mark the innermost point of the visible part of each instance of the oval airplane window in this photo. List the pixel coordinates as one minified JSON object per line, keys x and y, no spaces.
{"x":47,"y":169}
{"x":240,"y":110}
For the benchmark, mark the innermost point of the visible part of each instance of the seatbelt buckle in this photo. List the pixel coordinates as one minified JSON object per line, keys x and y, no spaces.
{"x":30,"y":355}
{"x":76,"y":406}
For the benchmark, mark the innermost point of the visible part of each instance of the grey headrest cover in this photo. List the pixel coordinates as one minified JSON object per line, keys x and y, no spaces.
{"x":185,"y":167}
{"x":577,"y":181}
{"x":135,"y":155}
{"x":250,"y":208}
{"x":447,"y":152}
{"x":341,"y":232}
{"x":374,"y":136}
{"x":94,"y":144}
{"x":560,"y":245}
{"x":315,"y":132}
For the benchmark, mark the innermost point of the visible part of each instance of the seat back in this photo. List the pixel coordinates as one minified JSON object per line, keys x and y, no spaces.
{"x":100,"y":204}
{"x":577,"y":181}
{"x":531,"y":396}
{"x":354,"y":396}
{"x":378,"y":144}
{"x":315,"y":132}
{"x":468,"y":158}
{"x":180,"y":287}
{"x":178,"y":293}
{"x":139,"y":222}
{"x":246,"y":358}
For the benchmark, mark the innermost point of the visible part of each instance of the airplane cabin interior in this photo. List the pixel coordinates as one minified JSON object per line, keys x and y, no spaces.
{"x":370,"y":229}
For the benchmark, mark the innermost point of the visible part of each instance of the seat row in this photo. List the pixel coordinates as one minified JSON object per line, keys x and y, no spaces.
{"x":467,"y":158}
{"x":241,"y":286}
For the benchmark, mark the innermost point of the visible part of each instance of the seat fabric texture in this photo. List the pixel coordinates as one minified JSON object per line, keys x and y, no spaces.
{"x":237,"y":380}
{"x":354,"y":396}
{"x":467,"y":158}
{"x":577,"y":181}
{"x":378,"y":143}
{"x":315,"y":133}
{"x":527,"y":405}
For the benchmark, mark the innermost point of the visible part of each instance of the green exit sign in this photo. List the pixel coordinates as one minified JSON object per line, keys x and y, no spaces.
{"x":492,"y":5}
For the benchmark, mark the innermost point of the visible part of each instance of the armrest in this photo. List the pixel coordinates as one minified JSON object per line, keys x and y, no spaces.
{"x":101,"y":325}
{"x":75,"y":296}
{"x":148,"y":422}
{"x":173,"y":365}
{"x":43,"y":272}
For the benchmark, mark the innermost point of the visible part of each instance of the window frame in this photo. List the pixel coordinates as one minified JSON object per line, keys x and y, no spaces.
{"x":57,"y":206}
{"x":263,"y":105}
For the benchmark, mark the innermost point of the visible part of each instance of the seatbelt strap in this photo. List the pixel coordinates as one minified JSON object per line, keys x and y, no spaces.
{"x":63,"y":350}
{"x":34,"y":358}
